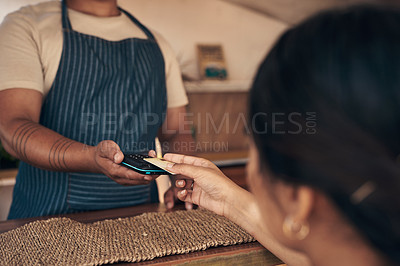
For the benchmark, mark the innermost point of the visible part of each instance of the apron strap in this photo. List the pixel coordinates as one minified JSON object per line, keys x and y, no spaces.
{"x":66,"y":24}
{"x":140,"y":25}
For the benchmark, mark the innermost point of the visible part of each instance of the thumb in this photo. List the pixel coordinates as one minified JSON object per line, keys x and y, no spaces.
{"x":110,"y":150}
{"x":118,"y":157}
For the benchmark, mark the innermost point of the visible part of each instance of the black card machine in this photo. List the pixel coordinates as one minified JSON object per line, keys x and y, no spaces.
{"x":137,"y":163}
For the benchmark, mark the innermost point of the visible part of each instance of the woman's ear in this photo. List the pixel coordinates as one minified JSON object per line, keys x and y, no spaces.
{"x":297,"y":204}
{"x":296,"y":201}
{"x":304,"y":200}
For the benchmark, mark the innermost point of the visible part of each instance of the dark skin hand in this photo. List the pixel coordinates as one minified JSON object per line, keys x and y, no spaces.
{"x":24,"y":138}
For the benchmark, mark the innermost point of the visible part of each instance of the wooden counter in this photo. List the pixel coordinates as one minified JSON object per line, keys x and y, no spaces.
{"x":218,"y":255}
{"x":212,"y":254}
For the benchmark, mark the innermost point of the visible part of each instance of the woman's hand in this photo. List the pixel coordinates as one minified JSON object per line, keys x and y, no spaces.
{"x":214,"y":191}
{"x":108,"y":157}
{"x":170,"y":198}
{"x":211,"y":188}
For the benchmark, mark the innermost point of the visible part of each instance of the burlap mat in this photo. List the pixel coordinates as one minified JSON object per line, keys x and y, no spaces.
{"x":145,"y":237}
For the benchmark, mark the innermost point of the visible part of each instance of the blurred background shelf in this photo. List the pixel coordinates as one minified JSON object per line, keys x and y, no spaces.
{"x":210,"y":86}
{"x":7,"y":177}
{"x":7,"y":182}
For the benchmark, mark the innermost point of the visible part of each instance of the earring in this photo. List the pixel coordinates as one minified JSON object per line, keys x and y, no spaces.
{"x":295,"y":230}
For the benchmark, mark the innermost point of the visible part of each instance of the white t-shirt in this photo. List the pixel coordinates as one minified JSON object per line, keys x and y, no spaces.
{"x":31,"y":42}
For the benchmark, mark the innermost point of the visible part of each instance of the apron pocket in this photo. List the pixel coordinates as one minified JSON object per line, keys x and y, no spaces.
{"x":96,"y":191}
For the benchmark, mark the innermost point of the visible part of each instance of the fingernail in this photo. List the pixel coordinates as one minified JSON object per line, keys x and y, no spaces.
{"x":182,"y":192}
{"x":180,"y":183}
{"x":170,"y":205}
{"x":148,"y":178}
{"x":170,"y":165}
{"x":117,"y":156}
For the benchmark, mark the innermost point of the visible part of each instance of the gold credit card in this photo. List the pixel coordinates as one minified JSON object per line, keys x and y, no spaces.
{"x":160,"y":163}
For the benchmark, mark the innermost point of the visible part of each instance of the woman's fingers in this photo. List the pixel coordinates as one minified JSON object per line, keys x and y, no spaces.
{"x":185,"y":195}
{"x":180,"y":183}
{"x":169,"y":198}
{"x":187,"y":184}
{"x":187,"y":188}
{"x":180,"y":158}
{"x":188,"y":205}
{"x":189,"y":171}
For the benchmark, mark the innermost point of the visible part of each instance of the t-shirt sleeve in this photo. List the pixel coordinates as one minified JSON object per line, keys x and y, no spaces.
{"x":20,"y":64}
{"x":176,"y":92}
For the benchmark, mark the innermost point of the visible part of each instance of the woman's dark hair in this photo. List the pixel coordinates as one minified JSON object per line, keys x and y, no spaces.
{"x":325,"y":112}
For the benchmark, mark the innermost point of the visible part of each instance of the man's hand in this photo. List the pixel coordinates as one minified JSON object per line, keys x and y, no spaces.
{"x":108,"y":157}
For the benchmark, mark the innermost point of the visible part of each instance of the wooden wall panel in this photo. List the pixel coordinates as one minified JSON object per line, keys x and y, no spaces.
{"x":219,"y":120}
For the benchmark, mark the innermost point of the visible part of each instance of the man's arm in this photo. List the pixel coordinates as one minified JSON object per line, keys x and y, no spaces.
{"x":24,"y":138}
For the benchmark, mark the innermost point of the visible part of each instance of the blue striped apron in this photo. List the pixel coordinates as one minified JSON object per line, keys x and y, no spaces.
{"x":103,"y":90}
